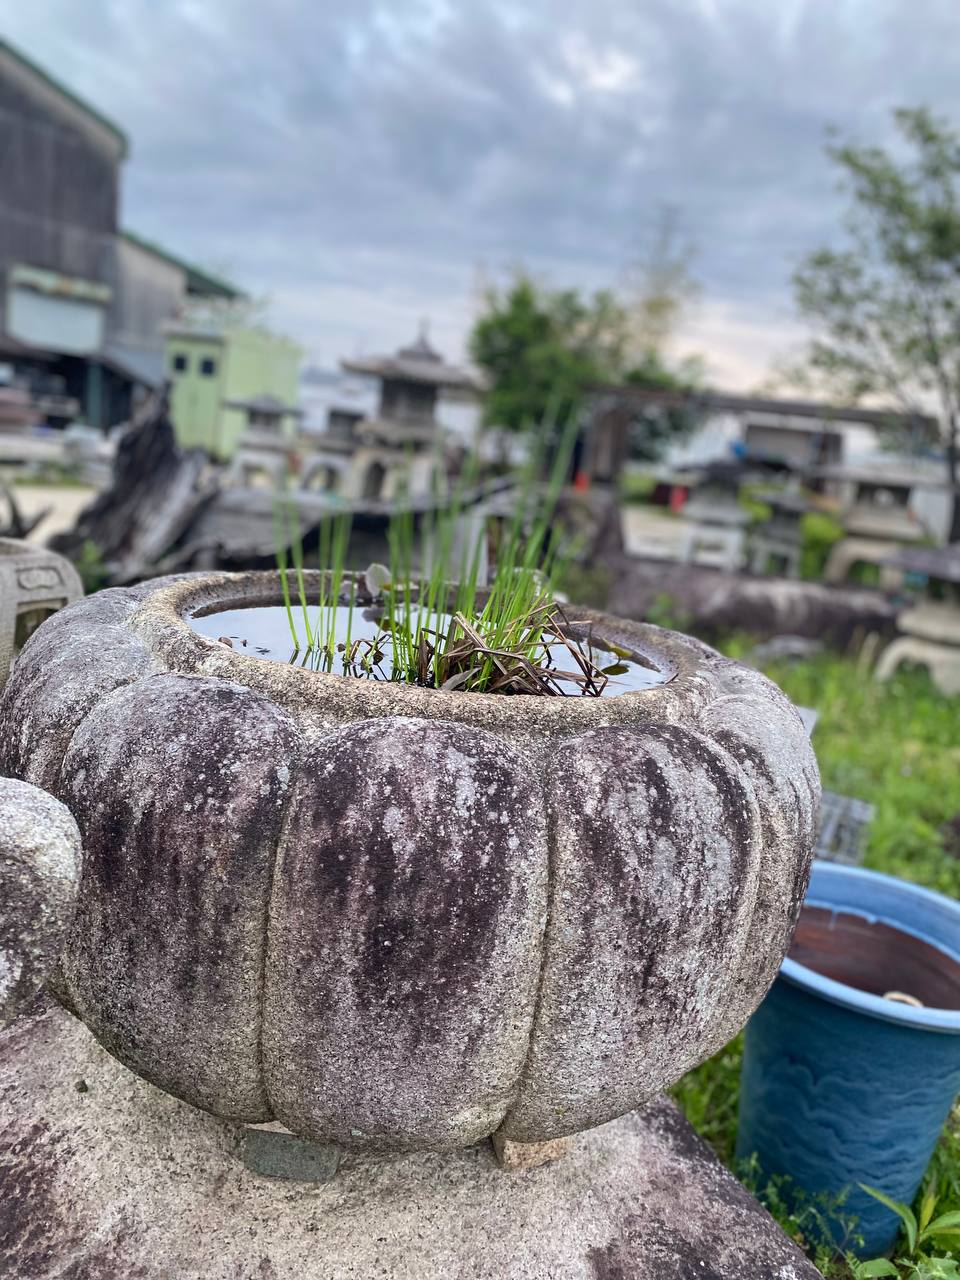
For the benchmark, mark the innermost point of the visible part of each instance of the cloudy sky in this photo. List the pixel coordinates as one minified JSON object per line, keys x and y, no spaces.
{"x":370,"y":162}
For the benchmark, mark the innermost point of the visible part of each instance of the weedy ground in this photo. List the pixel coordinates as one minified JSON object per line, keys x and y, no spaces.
{"x":896,"y":745}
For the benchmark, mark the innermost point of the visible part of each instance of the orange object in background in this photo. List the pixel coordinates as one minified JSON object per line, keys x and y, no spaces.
{"x":581,"y":482}
{"x":678,"y":498}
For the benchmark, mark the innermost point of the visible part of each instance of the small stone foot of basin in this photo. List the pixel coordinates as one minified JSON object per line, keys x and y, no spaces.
{"x":518,"y":1157}
{"x":271,"y":1151}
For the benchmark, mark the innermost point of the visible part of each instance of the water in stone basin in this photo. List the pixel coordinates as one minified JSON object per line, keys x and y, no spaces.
{"x":264,"y":632}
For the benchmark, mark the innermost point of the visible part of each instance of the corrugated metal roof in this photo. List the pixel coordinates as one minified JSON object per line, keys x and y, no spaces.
{"x":145,"y":367}
{"x":198,"y":280}
{"x":59,"y":87}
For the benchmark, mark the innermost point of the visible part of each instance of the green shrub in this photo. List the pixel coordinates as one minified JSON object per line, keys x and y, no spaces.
{"x":819,"y":533}
{"x":663,"y":612}
{"x":750,"y":500}
{"x":636,"y":486}
{"x":89,"y":564}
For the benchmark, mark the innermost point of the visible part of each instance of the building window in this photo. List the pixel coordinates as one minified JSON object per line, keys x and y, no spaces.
{"x":208,"y":367}
{"x":179,"y":364}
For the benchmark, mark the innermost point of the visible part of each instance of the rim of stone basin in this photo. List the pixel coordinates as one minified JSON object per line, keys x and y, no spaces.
{"x":161,"y":619}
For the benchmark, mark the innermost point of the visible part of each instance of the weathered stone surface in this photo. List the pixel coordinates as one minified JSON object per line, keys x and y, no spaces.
{"x":582,"y":897}
{"x":787,"y":787}
{"x":39,"y":875}
{"x":716,"y":601}
{"x":62,"y":671}
{"x":73,"y":660}
{"x":178,"y":786}
{"x":33,"y":580}
{"x":655,"y":844}
{"x":123,"y":1180}
{"x":406,"y":929}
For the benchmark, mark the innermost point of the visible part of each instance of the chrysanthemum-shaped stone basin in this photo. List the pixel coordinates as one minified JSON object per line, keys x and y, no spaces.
{"x":396,"y":917}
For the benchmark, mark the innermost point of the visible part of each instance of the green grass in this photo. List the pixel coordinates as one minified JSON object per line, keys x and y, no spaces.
{"x":88,"y":562}
{"x":820,"y":532}
{"x":896,"y":745}
{"x":709,"y":1096}
{"x":636,"y":486}
{"x":442,"y":626}
{"x":49,"y":476}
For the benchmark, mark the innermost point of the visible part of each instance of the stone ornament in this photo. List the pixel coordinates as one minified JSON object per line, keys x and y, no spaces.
{"x":39,"y":876}
{"x":398,"y":918}
{"x":32,"y":581}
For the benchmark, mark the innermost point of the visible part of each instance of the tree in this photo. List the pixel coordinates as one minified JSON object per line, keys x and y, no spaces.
{"x":240,"y":312}
{"x":886,"y":308}
{"x":540,"y":350}
{"x":661,"y":291}
{"x":655,"y":426}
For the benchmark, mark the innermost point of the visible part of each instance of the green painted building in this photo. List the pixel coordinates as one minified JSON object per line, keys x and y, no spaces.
{"x":207,"y":368}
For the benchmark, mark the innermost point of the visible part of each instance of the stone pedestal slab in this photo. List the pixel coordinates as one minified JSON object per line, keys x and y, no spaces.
{"x":103,"y":1175}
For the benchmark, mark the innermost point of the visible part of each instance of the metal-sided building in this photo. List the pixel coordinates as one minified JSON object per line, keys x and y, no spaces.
{"x":82,"y":303}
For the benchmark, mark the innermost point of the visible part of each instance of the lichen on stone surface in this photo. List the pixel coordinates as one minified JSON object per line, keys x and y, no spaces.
{"x":398,"y":917}
{"x":39,"y":876}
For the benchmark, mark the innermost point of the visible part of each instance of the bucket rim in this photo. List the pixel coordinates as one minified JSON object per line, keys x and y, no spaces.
{"x":829,"y":876}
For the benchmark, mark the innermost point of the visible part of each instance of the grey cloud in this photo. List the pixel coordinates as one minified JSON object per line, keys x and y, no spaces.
{"x":380,"y":150}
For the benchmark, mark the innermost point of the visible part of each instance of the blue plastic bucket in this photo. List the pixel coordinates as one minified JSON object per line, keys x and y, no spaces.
{"x":841,"y":1087}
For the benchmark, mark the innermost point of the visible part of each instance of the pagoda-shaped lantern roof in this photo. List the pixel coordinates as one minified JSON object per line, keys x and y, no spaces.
{"x":418,"y":362}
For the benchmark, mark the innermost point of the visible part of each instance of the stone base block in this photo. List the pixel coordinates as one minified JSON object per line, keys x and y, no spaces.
{"x":517,"y":1157}
{"x":103,"y":1175}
